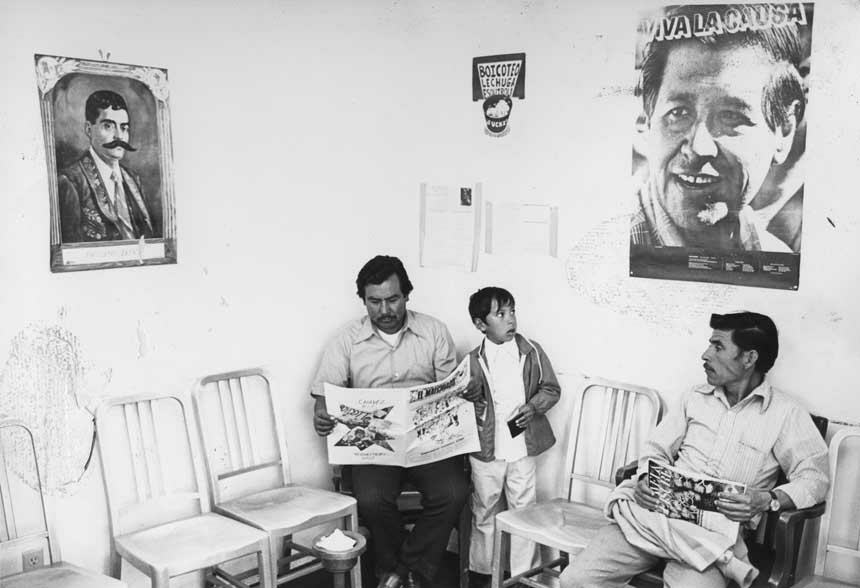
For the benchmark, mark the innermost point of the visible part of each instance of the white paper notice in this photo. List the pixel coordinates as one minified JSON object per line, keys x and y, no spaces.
{"x":517,"y":229}
{"x":450,"y":225}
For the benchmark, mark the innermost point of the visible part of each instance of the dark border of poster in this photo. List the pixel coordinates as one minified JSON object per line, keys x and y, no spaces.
{"x":761,"y":269}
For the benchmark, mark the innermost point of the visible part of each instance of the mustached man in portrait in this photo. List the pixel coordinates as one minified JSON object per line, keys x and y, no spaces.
{"x":100,"y":199}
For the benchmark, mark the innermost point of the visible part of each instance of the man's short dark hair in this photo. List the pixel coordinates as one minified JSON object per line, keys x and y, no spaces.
{"x":751,"y":330}
{"x":481,"y":301}
{"x":781,"y":43}
{"x":101,"y":100}
{"x":379,"y":269}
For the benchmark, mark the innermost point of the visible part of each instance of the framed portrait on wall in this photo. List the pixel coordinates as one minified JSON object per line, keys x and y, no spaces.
{"x":109,"y":157}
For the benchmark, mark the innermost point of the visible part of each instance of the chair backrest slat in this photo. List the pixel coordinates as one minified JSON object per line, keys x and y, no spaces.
{"x":240,"y":411}
{"x":151,"y":453}
{"x":233,"y":455}
{"x":132,"y":429}
{"x":609,"y":411}
{"x":621,"y":415}
{"x":623,"y":447}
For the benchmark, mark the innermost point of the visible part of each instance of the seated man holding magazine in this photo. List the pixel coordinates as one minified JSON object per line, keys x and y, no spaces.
{"x":737,"y":428}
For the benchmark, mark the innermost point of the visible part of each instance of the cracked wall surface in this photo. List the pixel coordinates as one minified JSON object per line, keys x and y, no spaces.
{"x":44,"y":383}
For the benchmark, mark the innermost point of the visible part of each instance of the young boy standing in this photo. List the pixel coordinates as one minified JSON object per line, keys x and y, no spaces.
{"x":512,"y":385}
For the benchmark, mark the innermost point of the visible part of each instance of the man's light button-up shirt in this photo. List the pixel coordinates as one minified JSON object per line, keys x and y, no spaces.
{"x":748,"y":443}
{"x":358,"y":357}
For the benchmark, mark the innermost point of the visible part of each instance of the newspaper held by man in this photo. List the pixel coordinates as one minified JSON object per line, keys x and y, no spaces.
{"x":402,"y":426}
{"x":690,"y":497}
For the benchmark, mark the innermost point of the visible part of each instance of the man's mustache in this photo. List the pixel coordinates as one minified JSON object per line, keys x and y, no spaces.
{"x":118,"y":143}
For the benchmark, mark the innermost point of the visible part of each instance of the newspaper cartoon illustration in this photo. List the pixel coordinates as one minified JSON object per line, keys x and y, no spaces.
{"x":402,"y":426}
{"x":366,"y":428}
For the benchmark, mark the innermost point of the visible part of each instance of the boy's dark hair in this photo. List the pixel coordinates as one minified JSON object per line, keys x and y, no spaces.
{"x":379,"y":269}
{"x":481,"y":301}
{"x":751,"y":330}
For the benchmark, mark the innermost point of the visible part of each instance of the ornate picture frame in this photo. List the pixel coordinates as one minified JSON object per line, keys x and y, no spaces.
{"x":109,"y":155}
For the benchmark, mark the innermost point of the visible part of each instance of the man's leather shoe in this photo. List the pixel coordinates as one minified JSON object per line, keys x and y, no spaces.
{"x":391,"y":580}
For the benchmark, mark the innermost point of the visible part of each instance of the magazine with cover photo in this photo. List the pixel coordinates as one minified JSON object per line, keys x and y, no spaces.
{"x":690,"y":497}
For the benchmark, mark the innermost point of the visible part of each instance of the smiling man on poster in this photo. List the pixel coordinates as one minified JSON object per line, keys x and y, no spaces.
{"x":723,"y":99}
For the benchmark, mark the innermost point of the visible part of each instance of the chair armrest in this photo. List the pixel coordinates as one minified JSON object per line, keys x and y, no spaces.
{"x":625,"y":471}
{"x":789,"y":531}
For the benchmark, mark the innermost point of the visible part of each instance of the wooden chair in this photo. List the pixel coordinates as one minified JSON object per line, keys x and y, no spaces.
{"x":612,"y":413}
{"x":409,"y":504}
{"x":15,"y":541}
{"x":249,"y":474}
{"x":773,"y":548}
{"x":827,"y":546}
{"x":159,"y":511}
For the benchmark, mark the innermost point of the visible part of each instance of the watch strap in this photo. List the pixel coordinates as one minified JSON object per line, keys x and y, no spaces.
{"x":775,"y":504}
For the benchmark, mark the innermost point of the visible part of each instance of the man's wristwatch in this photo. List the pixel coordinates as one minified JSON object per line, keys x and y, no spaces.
{"x":774,"y":502}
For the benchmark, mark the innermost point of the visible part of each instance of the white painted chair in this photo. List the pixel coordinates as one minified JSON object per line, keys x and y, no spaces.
{"x":249,"y":475}
{"x":159,"y":511}
{"x":827,"y":546}
{"x":600,"y":441}
{"x":19,"y":537}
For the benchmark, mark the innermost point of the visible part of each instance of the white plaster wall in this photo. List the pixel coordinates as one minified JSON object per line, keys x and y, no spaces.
{"x":301,"y":132}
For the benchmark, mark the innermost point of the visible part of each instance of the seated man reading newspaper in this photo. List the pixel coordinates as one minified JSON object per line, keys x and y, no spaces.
{"x":728,"y":440}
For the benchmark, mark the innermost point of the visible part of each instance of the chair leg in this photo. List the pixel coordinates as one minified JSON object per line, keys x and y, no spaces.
{"x":286,"y":550}
{"x":351,"y":524}
{"x":501,"y":547}
{"x":264,"y":563}
{"x":115,"y":565}
{"x":274,"y":551}
{"x":160,"y":579}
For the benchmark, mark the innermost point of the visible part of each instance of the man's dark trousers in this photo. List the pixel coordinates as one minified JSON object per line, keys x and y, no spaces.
{"x":444,"y":491}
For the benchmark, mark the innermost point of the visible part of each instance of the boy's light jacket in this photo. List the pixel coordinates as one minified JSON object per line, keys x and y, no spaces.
{"x":541,"y":391}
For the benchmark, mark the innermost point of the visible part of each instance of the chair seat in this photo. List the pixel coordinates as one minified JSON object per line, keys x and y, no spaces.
{"x":822,"y":582}
{"x":190,"y":544}
{"x":545,"y":523}
{"x":283,"y":510}
{"x":61,"y":575}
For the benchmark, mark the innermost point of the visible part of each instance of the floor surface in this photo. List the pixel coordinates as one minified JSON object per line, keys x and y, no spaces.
{"x":447,"y":577}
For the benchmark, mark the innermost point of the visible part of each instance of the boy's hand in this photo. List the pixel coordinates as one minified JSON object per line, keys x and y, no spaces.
{"x":525,"y":414}
{"x":472,"y":393}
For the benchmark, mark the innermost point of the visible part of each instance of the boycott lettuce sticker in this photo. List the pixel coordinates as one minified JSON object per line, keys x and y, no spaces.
{"x":496,"y":79}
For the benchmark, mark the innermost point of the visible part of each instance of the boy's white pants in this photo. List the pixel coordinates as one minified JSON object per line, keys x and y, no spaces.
{"x":490,"y":479}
